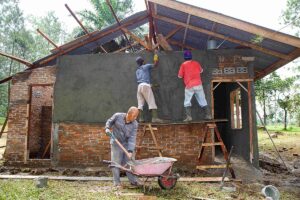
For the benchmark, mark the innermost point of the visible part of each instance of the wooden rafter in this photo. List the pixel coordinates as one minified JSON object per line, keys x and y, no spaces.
{"x":201,"y":30}
{"x":47,"y":38}
{"x":118,"y":21}
{"x":180,"y":44}
{"x":148,"y":41}
{"x":229,"y":21}
{"x":127,"y":47}
{"x":88,"y":40}
{"x":20,"y":60}
{"x":81,"y":25}
{"x":152,"y":25}
{"x":136,"y":38}
{"x":163,"y":43}
{"x":260,"y":74}
{"x":186,"y":28}
{"x":170,"y":34}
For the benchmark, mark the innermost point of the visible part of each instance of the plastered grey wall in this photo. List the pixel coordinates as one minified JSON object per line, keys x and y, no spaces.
{"x":90,"y":88}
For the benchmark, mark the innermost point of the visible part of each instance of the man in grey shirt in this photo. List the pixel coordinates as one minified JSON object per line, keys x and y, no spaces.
{"x":124,"y":127}
{"x":144,"y":90}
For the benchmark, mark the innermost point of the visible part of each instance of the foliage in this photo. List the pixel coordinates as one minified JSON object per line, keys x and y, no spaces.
{"x":292,"y":13}
{"x":101,"y":15}
{"x":16,"y":39}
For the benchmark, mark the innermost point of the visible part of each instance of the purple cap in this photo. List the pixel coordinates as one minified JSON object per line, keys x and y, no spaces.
{"x":187,"y":55}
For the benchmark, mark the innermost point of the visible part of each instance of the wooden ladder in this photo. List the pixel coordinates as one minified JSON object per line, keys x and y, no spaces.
{"x":211,"y":128}
{"x":148,"y":127}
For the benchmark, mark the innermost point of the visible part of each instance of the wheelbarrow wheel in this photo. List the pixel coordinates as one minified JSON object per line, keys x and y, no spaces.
{"x":167,"y":182}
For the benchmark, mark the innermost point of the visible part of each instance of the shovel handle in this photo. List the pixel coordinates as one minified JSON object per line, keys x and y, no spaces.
{"x":119,"y":144}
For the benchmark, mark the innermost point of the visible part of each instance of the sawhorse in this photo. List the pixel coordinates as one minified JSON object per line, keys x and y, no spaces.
{"x":211,"y":128}
{"x":148,"y":127}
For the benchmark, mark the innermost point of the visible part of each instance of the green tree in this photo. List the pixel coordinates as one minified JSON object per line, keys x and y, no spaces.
{"x":11,"y":28}
{"x":101,"y":15}
{"x":291,"y":14}
{"x":52,"y":27}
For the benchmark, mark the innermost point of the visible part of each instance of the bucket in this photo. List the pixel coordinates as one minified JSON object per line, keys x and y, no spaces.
{"x":271,"y":191}
{"x":211,"y":44}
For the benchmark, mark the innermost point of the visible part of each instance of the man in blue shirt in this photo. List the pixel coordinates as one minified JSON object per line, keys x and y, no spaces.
{"x":144,"y":91}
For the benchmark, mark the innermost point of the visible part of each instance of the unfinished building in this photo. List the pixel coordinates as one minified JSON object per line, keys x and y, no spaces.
{"x":59,"y":104}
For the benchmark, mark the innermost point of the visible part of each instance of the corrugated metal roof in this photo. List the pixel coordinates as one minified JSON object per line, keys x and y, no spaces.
{"x":199,"y":40}
{"x":193,"y":38}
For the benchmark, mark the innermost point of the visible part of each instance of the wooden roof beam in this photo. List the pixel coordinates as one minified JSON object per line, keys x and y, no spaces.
{"x":230,"y":21}
{"x":201,"y":30}
{"x":20,"y":60}
{"x":163,"y":43}
{"x":170,"y":34}
{"x":47,"y":38}
{"x":124,"y":48}
{"x":293,"y":55}
{"x":180,"y":44}
{"x":6,"y":79}
{"x":152,"y":27}
{"x":118,"y":21}
{"x":88,"y":40}
{"x":81,"y":25}
{"x":186,"y":28}
{"x":136,"y":38}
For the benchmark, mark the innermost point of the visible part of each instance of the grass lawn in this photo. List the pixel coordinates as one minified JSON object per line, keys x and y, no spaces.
{"x":286,"y":142}
{"x":25,"y":189}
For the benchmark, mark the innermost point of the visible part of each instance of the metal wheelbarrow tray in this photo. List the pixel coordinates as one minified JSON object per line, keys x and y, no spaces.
{"x":160,"y":167}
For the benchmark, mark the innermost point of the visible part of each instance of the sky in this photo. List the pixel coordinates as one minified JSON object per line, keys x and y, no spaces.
{"x":261,"y":12}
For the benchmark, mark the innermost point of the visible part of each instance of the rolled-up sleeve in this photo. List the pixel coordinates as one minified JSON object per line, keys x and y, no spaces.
{"x":111,"y":121}
{"x":132,"y":138}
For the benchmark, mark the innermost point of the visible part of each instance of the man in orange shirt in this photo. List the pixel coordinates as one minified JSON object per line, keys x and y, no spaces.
{"x":190,"y":71}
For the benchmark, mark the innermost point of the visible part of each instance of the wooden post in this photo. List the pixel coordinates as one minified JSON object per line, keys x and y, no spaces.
{"x":237,"y":108}
{"x":212,"y":99}
{"x":250,"y":120}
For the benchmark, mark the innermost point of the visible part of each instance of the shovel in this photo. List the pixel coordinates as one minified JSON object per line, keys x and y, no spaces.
{"x":111,"y":135}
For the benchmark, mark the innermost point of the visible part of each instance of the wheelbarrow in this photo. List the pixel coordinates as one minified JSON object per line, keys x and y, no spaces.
{"x":160,"y":167}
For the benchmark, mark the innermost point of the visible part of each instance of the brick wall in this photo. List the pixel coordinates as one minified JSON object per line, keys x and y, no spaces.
{"x":87,"y":145}
{"x":15,"y":152}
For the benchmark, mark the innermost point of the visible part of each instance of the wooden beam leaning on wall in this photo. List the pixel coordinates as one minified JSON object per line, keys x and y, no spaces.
{"x":201,"y":30}
{"x":136,"y":38}
{"x":170,"y":34}
{"x":163,"y":43}
{"x":229,"y":21}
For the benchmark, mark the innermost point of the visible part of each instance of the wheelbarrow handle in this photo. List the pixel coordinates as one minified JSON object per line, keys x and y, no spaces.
{"x":111,"y":135}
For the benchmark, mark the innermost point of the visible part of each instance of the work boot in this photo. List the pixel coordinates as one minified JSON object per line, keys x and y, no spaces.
{"x":155,"y":119}
{"x":207,"y":113}
{"x":141,"y":116}
{"x":188,"y":113}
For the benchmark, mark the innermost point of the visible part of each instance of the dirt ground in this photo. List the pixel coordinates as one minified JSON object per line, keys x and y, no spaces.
{"x":272,"y":172}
